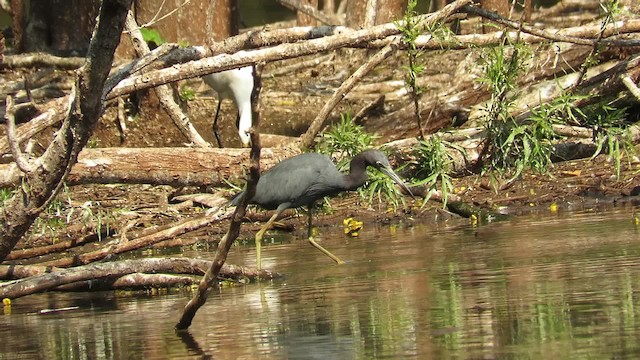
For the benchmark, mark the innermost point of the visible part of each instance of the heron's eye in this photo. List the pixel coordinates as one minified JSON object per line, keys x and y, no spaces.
{"x":379,"y":164}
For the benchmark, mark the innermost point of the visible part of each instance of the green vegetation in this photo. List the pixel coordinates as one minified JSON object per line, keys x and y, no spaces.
{"x":434,"y":165}
{"x":5,"y":194}
{"x":410,"y":30}
{"x":152,"y":37}
{"x":60,"y":213}
{"x":344,"y":141}
{"x":511,"y":146}
{"x":187,"y":93}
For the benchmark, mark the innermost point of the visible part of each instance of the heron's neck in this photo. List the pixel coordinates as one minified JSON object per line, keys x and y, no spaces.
{"x":244,"y":123}
{"x":357,"y":173}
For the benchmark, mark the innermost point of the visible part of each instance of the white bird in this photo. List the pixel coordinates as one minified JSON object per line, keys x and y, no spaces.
{"x":235,"y":84}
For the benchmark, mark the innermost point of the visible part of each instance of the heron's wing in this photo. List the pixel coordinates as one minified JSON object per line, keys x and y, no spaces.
{"x":297,"y":181}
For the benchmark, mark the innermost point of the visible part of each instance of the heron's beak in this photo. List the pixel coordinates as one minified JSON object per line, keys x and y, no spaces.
{"x":390,"y":173}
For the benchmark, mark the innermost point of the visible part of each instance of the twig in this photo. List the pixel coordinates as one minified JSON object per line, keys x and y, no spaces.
{"x":14,"y":143}
{"x":155,"y":18}
{"x":470,"y":9}
{"x":377,"y":103}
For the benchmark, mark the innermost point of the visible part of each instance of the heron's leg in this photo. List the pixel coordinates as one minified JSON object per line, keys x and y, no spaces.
{"x":259,"y":235}
{"x":315,"y":244}
{"x":216,"y":130}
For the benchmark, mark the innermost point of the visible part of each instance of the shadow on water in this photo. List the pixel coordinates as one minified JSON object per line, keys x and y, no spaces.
{"x":561,"y":285}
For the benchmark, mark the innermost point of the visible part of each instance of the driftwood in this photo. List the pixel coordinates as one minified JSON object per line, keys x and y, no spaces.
{"x":42,"y":278}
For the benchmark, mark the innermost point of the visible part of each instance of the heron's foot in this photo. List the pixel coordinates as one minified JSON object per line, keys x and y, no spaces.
{"x":325,"y":251}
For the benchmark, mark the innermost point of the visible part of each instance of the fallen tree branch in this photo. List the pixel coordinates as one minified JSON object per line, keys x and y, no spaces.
{"x":41,"y":60}
{"x":133,"y":281}
{"x":117,"y":247}
{"x":280,"y":52}
{"x":41,"y":278}
{"x":60,"y":246}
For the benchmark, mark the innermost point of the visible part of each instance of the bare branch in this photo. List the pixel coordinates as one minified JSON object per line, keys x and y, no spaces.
{"x":14,"y":143}
{"x":307,"y":139}
{"x":42,"y":60}
{"x":284,"y":51}
{"x":200,"y":297}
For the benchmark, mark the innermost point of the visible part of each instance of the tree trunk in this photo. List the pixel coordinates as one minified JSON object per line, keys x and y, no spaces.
{"x":501,"y":7}
{"x":61,"y":27}
{"x":303,"y":19}
{"x":386,"y":11}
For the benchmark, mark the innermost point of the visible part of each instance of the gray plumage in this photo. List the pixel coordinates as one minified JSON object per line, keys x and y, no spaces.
{"x":303,"y":179}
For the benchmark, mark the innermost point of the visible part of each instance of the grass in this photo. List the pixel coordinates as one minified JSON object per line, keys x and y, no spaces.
{"x":344,"y":141}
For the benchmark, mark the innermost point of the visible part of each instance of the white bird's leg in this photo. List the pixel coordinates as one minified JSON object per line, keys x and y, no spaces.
{"x":316,"y":245}
{"x":215,"y":125}
{"x":259,"y":235}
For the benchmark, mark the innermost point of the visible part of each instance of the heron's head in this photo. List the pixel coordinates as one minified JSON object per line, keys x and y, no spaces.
{"x":245,"y":138}
{"x":379,"y":160}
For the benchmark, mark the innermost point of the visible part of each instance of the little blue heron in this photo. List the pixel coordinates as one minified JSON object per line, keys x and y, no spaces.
{"x":235,"y":84}
{"x":303,"y":179}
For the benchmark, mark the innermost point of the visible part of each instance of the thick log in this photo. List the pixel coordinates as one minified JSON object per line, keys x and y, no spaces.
{"x":167,"y":166}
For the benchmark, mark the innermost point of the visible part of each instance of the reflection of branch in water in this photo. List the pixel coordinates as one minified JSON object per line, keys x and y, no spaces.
{"x":192,"y":344}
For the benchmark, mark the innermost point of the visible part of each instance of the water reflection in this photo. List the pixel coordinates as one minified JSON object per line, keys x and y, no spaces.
{"x":535,"y":287}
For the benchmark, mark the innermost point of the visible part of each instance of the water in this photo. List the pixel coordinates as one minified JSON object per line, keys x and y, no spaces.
{"x":563,"y":286}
